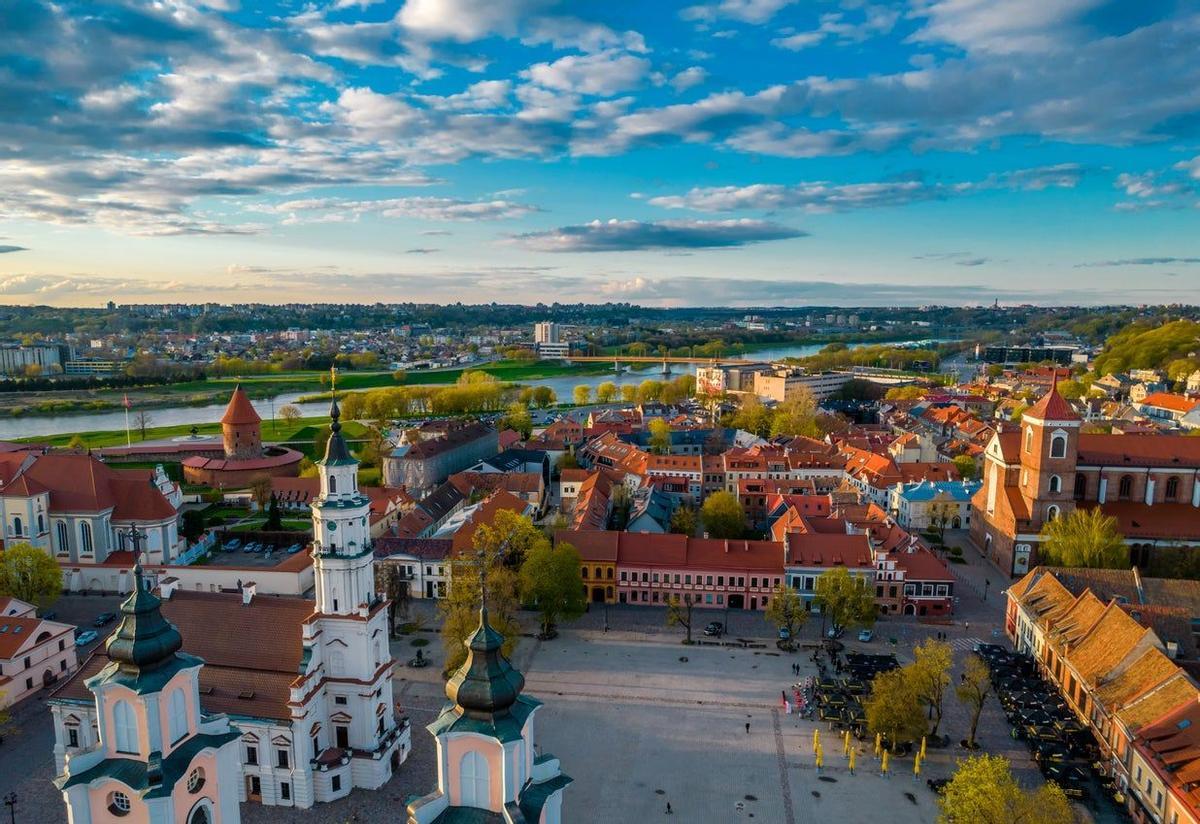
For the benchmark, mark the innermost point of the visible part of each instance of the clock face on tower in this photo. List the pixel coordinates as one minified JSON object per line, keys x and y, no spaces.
{"x":331,"y":526}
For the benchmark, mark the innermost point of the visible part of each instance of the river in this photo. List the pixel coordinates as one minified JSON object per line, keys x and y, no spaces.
{"x":46,"y":425}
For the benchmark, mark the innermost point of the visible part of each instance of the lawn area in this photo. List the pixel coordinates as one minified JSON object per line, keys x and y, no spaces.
{"x":287,"y":523}
{"x":300,"y":433}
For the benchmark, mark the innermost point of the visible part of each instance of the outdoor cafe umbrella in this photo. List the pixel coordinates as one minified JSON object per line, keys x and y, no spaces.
{"x":922,"y":746}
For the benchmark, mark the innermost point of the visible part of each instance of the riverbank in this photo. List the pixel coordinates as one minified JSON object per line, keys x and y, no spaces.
{"x":299,"y":431}
{"x":217,"y":390}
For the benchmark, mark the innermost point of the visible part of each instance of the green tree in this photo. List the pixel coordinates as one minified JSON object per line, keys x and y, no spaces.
{"x":941,"y":510}
{"x":796,"y":416}
{"x":722,"y":515}
{"x":274,"y":520}
{"x":606,"y":392}
{"x":1084,"y":538}
{"x":894,"y":707}
{"x":260,"y":490}
{"x":192,"y":524}
{"x":519,"y":420}
{"x":684,"y":520}
{"x":77,"y":443}
{"x":753,"y":417}
{"x":628,"y":393}
{"x":289,"y":414}
{"x":550,"y":579}
{"x":786,"y":611}
{"x":679,"y":613}
{"x":973,"y":691}
{"x":660,"y":437}
{"x":460,"y":607}
{"x":845,"y":598}
{"x":509,"y":538}
{"x":931,"y":676}
{"x":905,"y":393}
{"x":967,"y":468}
{"x":29,"y":574}
{"x":543,"y":396}
{"x":583,"y":394}
{"x":983,"y":791}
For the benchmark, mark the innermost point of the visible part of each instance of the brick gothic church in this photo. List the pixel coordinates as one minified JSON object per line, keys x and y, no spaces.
{"x":1149,"y":483}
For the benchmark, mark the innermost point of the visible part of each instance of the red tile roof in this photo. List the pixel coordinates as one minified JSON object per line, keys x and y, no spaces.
{"x":820,"y":549}
{"x":1052,"y":406}
{"x":240,"y":411}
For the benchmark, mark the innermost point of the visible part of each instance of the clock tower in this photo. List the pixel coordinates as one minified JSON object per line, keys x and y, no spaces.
{"x":342,"y":549}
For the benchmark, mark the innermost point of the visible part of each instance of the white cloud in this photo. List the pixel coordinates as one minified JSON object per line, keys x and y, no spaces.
{"x":689,"y":77}
{"x":325,"y":210}
{"x":745,"y":11}
{"x":604,"y":73}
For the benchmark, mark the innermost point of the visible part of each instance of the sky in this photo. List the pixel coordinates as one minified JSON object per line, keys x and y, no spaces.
{"x":711,"y":152}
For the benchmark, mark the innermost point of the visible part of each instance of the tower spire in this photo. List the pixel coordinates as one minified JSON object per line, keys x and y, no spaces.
{"x":144,"y":640}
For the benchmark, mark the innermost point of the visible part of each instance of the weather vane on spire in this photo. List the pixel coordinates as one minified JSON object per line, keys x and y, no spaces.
{"x":135,"y":537}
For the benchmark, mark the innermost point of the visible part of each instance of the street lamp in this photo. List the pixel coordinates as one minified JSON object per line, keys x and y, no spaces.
{"x":10,"y":801}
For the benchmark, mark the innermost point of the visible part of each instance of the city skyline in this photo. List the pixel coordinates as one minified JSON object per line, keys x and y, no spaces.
{"x":733,"y":152}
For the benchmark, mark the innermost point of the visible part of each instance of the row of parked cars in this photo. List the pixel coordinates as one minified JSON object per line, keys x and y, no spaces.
{"x":236,"y":545}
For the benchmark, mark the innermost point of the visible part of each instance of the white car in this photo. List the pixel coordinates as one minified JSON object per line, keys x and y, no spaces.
{"x":866,"y":635}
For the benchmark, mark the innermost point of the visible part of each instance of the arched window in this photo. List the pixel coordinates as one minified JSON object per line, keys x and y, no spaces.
{"x":1055,"y":483}
{"x":476,"y":781}
{"x":17,"y":525}
{"x":332,"y":485}
{"x":1125,"y":487}
{"x":125,"y":727}
{"x":1051,"y":513}
{"x":1080,"y":486}
{"x":85,"y":537}
{"x":1029,"y":439}
{"x":177,"y":718}
{"x":583,"y":572}
{"x":200,"y":815}
{"x":41,"y":523}
{"x":1172,"y":490}
{"x":608,"y":573}
{"x":1058,"y":446}
{"x":118,"y":804}
{"x":60,"y":529}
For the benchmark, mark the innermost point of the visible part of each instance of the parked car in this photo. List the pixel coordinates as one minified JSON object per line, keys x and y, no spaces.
{"x":250,"y":547}
{"x":866,"y":636}
{"x":293,"y":549}
{"x":835,"y":632}
{"x":86,"y":637}
{"x":233,"y":546}
{"x":714,"y":629}
{"x":104,"y":619}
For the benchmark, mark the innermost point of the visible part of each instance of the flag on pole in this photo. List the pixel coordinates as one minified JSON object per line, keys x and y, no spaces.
{"x":126,"y":402}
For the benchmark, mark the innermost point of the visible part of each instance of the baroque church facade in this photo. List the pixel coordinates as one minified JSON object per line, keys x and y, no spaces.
{"x":306,"y":683}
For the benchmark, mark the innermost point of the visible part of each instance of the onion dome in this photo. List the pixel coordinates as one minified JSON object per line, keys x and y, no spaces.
{"x":144,"y":640}
{"x":486,"y":684}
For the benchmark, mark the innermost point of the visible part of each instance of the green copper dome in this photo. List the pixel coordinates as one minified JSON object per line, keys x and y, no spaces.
{"x":144,"y":640}
{"x":486,"y":684}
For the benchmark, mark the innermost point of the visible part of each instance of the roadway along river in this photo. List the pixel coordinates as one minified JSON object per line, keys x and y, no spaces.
{"x":39,"y":426}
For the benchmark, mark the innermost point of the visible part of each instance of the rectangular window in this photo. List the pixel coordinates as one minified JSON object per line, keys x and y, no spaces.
{"x":339,"y":699}
{"x":645,"y":577}
{"x":62,"y":666}
{"x":677,"y":577}
{"x":72,"y":738}
{"x":62,"y":645}
{"x":655,"y":578}
{"x":285,"y":791}
{"x":720,"y":598}
{"x":281,"y":759}
{"x":336,"y":783}
{"x":28,"y":683}
{"x":720,"y":580}
{"x":754,"y":582}
{"x":623,"y":577}
{"x":709,"y":580}
{"x":687,"y":579}
{"x":251,"y":755}
{"x":708,"y":599}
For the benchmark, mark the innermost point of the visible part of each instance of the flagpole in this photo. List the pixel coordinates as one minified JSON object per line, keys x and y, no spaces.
{"x":128,"y":443}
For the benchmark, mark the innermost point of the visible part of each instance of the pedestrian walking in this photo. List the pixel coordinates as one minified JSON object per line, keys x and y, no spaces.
{"x":747,"y":728}
{"x":669,"y":810}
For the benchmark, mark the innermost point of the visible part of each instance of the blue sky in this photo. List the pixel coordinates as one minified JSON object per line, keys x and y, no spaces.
{"x":732,"y":152}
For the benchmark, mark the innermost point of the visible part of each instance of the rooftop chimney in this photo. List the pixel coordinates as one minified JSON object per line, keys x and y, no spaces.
{"x":249,"y":589}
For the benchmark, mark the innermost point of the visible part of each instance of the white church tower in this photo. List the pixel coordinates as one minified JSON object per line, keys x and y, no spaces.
{"x":362,"y":743}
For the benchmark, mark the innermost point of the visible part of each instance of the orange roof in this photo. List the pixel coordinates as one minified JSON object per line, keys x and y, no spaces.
{"x":1114,"y":451}
{"x":240,"y":410}
{"x":78,"y":482}
{"x":828,"y":549}
{"x":676,"y":551}
{"x":1052,"y":406}
{"x":486,"y":514}
{"x":16,"y":633}
{"x":1167,"y":400}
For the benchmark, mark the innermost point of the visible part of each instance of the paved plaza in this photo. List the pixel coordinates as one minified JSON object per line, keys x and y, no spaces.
{"x":640,"y":720}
